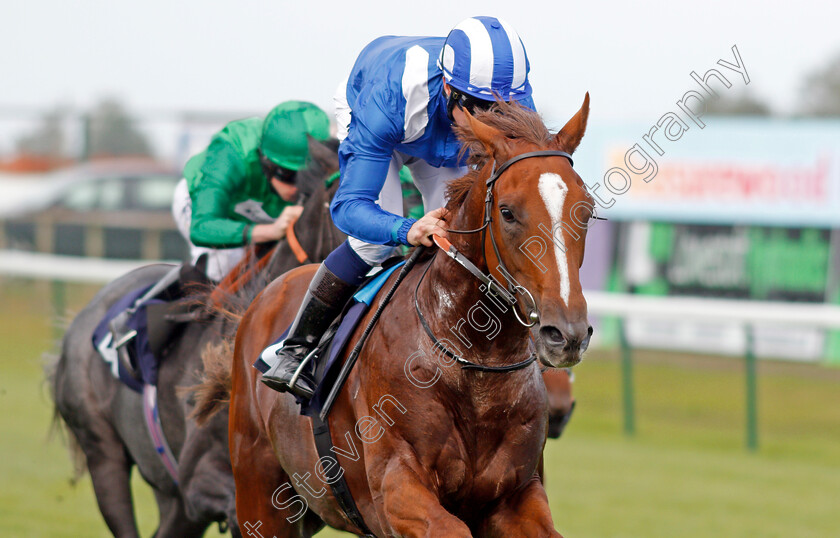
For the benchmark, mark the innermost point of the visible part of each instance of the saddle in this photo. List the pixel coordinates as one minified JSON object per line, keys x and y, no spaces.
{"x":334,"y":341}
{"x":156,"y":324}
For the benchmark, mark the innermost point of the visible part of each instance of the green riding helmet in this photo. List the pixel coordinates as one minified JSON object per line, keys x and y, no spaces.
{"x":285,"y":129}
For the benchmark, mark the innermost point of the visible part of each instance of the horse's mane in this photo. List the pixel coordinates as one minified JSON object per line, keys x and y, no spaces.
{"x":512,"y":120}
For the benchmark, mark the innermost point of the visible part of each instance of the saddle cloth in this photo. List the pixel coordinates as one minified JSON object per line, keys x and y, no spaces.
{"x":332,"y":344}
{"x":155,"y":322}
{"x":140,"y":351}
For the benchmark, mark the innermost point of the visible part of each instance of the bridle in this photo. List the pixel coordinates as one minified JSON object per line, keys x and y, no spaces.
{"x":492,"y":286}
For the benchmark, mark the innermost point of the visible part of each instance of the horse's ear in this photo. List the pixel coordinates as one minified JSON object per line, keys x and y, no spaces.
{"x":496,"y":143}
{"x":571,"y":134}
{"x":322,"y":153}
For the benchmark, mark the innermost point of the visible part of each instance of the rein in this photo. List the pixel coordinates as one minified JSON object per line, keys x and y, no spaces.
{"x":240,"y":275}
{"x":291,"y":237}
{"x":509,"y":292}
{"x":492,"y":285}
{"x":294,"y":244}
{"x":465,"y":364}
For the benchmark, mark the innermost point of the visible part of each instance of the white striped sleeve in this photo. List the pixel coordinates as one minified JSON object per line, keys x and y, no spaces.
{"x":415,"y":87}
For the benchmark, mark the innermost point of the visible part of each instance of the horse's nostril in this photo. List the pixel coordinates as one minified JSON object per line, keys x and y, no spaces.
{"x":585,"y":344}
{"x":552,"y":335}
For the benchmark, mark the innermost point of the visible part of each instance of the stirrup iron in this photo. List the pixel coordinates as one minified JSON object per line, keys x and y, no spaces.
{"x":306,"y":360}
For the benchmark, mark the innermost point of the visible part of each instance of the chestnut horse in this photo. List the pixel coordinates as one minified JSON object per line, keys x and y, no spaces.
{"x":427,"y":445}
{"x":105,"y":418}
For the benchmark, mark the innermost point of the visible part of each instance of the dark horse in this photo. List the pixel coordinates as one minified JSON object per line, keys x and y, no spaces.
{"x":429,"y":448}
{"x":106,"y":418}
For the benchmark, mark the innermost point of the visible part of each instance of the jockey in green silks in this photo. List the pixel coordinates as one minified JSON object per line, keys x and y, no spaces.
{"x":240,"y":190}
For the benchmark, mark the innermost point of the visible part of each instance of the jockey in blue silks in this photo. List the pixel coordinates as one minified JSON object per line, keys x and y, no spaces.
{"x":397,"y":108}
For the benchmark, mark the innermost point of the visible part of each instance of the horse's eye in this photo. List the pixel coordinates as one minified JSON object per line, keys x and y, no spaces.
{"x":507,"y":214}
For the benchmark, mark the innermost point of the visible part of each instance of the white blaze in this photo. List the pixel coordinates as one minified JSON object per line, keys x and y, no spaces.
{"x":553,"y":191}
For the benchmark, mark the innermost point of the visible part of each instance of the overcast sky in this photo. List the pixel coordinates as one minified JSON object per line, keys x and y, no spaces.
{"x":634,"y":57}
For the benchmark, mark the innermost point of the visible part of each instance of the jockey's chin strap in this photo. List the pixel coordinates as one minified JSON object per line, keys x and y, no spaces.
{"x":508,"y":293}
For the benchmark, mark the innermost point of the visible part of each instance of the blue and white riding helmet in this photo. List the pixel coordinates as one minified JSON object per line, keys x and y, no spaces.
{"x":484,"y":57}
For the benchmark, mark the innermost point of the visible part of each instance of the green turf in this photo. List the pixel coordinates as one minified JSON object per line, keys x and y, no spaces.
{"x":684,"y":474}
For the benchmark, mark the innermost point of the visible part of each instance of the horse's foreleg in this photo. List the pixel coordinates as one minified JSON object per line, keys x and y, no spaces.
{"x":174,"y":522}
{"x":266,"y":502}
{"x":526,"y":513}
{"x":257,"y":475}
{"x":411,"y":509}
{"x":204,"y":473}
{"x":558,"y":386}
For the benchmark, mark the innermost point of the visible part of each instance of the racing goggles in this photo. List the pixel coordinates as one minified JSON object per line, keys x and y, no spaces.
{"x":274,"y":170}
{"x":466,"y":102}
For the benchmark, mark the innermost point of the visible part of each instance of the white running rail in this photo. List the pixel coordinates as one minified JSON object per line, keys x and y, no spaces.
{"x":41,"y":266}
{"x":823,"y":316}
{"x":95,"y":270}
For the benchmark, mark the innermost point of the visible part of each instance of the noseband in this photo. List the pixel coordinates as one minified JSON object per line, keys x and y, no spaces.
{"x":506,"y":293}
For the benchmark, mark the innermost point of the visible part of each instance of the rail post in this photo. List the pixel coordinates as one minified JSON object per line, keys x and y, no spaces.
{"x":751,"y":391}
{"x":59,"y":304}
{"x":627,"y":381}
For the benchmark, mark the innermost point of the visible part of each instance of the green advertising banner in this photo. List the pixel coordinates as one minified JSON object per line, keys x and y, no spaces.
{"x":735,"y":262}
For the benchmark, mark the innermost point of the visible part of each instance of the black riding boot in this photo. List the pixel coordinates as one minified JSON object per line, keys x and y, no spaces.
{"x":323,"y":301}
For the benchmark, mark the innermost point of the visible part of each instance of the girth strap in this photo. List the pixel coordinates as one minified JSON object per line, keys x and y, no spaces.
{"x":336,"y":478}
{"x":151,"y":415}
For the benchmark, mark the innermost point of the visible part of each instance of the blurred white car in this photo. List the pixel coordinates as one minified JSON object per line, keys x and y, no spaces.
{"x":118,"y":208}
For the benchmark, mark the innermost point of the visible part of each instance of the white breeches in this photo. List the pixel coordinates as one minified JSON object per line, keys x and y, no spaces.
{"x":219,"y":260}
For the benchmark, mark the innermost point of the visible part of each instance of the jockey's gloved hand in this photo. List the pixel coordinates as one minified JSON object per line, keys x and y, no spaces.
{"x":433,"y":222}
{"x":276,"y":230}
